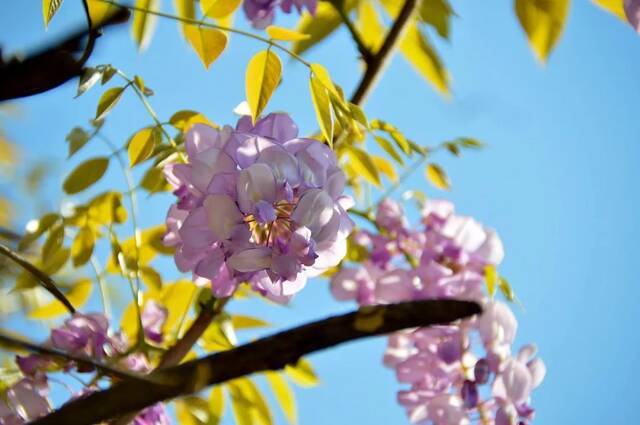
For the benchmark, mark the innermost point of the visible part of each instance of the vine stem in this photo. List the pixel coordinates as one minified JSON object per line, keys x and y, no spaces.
{"x":46,"y":281}
{"x":102,"y":285}
{"x":210,"y":25}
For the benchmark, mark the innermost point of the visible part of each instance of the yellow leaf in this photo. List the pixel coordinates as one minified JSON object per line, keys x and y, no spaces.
{"x":386,"y":145}
{"x":177,"y":297}
{"x":302,"y":374}
{"x":107,"y":208}
{"x":53,"y":243}
{"x":107,"y":101}
{"x":284,"y":394}
{"x":153,"y":181}
{"x":193,"y":411}
{"x":42,"y":225}
{"x":322,"y":107}
{"x":247,"y":322}
{"x":505,"y":288}
{"x":216,"y":403}
{"x":82,"y":246}
{"x":363,"y":165}
{"x":285,"y":34}
{"x":437,"y":13}
{"x":144,"y":23}
{"x":370,"y":26}
{"x":615,"y":7}
{"x":321,"y":73}
{"x":49,"y":8}
{"x":85,"y":174}
{"x":385,"y":168}
{"x":77,"y":296}
{"x":248,"y":404}
{"x":217,"y":9}
{"x":437,"y":177}
{"x":151,"y":278}
{"x":56,"y":261}
{"x":208,"y":43}
{"x":262,"y":77}
{"x":183,"y":120}
{"x":415,"y":47}
{"x":325,"y":21}
{"x":141,"y":145}
{"x":543,"y":21}
{"x":99,"y":10}
{"x":491,"y":277}
{"x":185,"y":9}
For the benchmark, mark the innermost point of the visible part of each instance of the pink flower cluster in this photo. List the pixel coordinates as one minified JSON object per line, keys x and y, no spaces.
{"x":257,"y":204}
{"x":84,"y":335}
{"x":449,"y":382}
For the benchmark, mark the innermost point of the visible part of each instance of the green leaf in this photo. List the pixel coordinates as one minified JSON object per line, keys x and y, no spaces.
{"x":216,"y":403}
{"x":85,"y":174}
{"x":417,"y":49}
{"x":284,"y":394}
{"x":469,"y":143}
{"x":108,"y":100}
{"x":505,"y":289}
{"x":302,"y":374}
{"x":491,"y":277}
{"x":263,"y":75}
{"x":49,"y":8}
{"x":144,"y":23}
{"x":217,"y":9}
{"x":363,"y":165}
{"x":77,"y":138}
{"x":208,"y":43}
{"x":386,"y":145}
{"x":285,"y":34}
{"x":141,"y":145}
{"x":77,"y":296}
{"x":543,"y":22}
{"x":437,"y":13}
{"x":437,"y":177}
{"x":247,"y":322}
{"x":82,"y":246}
{"x":53,"y":243}
{"x":322,"y":107}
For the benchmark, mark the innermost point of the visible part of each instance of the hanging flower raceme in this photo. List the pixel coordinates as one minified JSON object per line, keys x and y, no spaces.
{"x":262,"y":12}
{"x":445,"y":369}
{"x":82,"y":335}
{"x":257,"y":204}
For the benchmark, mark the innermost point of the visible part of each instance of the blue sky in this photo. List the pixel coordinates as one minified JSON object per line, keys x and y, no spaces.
{"x":558,"y":181}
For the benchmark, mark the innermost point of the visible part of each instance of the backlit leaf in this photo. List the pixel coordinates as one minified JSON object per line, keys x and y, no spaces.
{"x":77,"y":296}
{"x":107,"y":208}
{"x":151,"y":278}
{"x":505,"y":288}
{"x":417,"y":49}
{"x":363,"y":165}
{"x":82,"y":246}
{"x":322,"y":107}
{"x":436,"y":175}
{"x":386,"y":145}
{"x":193,"y":410}
{"x":144,"y":23}
{"x":370,"y":26}
{"x":216,"y":404}
{"x":90,"y":76}
{"x":248,"y":403}
{"x":107,"y":101}
{"x":53,"y":243}
{"x":247,"y":322}
{"x":262,"y":77}
{"x":153,"y":181}
{"x":615,"y":7}
{"x":319,"y":26}
{"x":141,"y":145}
{"x":185,"y":9}
{"x":284,"y":394}
{"x":437,"y":13}
{"x":208,"y":43}
{"x":99,"y":10}
{"x":302,"y":374}
{"x":217,"y":9}
{"x":491,"y":278}
{"x":77,"y":138}
{"x":385,"y":168}
{"x":285,"y":34}
{"x":85,"y":174}
{"x":49,"y":8}
{"x":183,"y":120}
{"x":35,"y":230}
{"x":543,"y":22}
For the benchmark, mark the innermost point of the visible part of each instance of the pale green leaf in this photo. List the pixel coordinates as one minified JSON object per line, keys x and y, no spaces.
{"x":141,"y":145}
{"x":151,"y":278}
{"x":437,"y":177}
{"x":144,"y":23}
{"x":82,"y":246}
{"x":183,"y":120}
{"x":285,"y":34}
{"x":153,"y":181}
{"x":302,"y":374}
{"x":363,"y":165}
{"x":216,"y":404}
{"x":386,"y":145}
{"x":77,"y":296}
{"x":417,"y":49}
{"x":437,"y":13}
{"x":217,"y":9}
{"x":193,"y":410}
{"x":385,"y":168}
{"x":322,"y":107}
{"x":53,"y":243}
{"x":491,"y":278}
{"x":77,"y":138}
{"x":262,"y":77}
{"x":85,"y":174}
{"x":208,"y":43}
{"x":285,"y":396}
{"x":107,"y":101}
{"x":543,"y":22}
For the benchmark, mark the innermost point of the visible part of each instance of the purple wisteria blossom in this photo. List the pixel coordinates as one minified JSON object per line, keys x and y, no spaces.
{"x":446,"y":258}
{"x":154,"y":316}
{"x":262,"y":12}
{"x":632,"y":12}
{"x":257,"y":204}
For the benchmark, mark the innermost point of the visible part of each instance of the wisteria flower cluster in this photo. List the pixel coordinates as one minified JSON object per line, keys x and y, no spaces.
{"x":262,"y":12}
{"x":82,"y":335}
{"x":257,"y":204}
{"x":449,"y":382}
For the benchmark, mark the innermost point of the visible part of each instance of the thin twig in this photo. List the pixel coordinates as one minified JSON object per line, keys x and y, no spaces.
{"x":365,"y":51}
{"x":270,"y":353}
{"x":45,"y":280}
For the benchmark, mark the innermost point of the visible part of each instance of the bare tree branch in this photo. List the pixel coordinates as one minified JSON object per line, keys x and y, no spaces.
{"x":270,"y":353}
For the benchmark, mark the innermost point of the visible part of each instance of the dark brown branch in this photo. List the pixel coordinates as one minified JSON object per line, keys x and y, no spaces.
{"x":18,"y":344}
{"x":270,"y":353}
{"x":45,"y":280}
{"x":54,"y":65}
{"x":381,"y":58}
